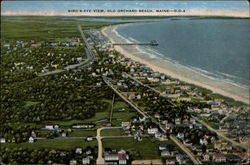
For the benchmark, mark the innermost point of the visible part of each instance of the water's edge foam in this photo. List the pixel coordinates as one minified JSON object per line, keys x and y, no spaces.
{"x":222,"y":77}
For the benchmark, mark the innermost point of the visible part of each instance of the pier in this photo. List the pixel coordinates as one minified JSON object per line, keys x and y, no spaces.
{"x":151,"y":43}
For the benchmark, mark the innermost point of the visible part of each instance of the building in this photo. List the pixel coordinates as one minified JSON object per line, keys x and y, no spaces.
{"x":49,"y":126}
{"x":170,"y":162}
{"x":85,"y":161}
{"x":165,"y":152}
{"x":83,"y":125}
{"x":2,"y":140}
{"x":203,"y":141}
{"x":152,"y":130}
{"x":73,"y":162}
{"x":180,"y":159}
{"x":180,"y":135}
{"x":205,"y":157}
{"x":233,"y":158}
{"x":163,"y":147}
{"x":219,"y":157}
{"x":89,"y":139}
{"x":125,"y":125}
{"x":120,"y":157}
{"x":31,"y":140}
{"x":78,"y":151}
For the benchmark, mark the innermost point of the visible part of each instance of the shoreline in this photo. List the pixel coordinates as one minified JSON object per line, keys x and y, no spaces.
{"x":180,"y":72}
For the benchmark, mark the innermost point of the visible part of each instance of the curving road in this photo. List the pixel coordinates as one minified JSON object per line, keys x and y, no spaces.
{"x":100,"y":159}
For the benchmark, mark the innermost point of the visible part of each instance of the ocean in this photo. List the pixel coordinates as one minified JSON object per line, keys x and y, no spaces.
{"x":216,"y":48}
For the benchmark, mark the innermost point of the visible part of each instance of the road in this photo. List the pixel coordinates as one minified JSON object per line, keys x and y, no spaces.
{"x":125,"y":99}
{"x":89,"y":52}
{"x":99,"y":159}
{"x":186,"y":150}
{"x":112,"y":109}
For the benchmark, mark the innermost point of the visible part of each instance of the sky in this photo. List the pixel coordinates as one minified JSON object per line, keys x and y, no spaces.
{"x":232,"y":8}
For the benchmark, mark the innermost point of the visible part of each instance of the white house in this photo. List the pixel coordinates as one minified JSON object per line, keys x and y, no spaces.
{"x":180,"y":159}
{"x":165,"y":152}
{"x":73,"y":162}
{"x":78,"y":151}
{"x":152,"y":130}
{"x":162,"y":146}
{"x":2,"y":140}
{"x":89,"y":139}
{"x":85,"y":161}
{"x":180,"y":135}
{"x":203,"y":141}
{"x":126,"y":125}
{"x":50,"y":127}
{"x":31,"y":140}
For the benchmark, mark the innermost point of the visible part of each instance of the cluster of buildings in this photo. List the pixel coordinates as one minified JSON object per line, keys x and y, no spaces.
{"x":176,"y":91}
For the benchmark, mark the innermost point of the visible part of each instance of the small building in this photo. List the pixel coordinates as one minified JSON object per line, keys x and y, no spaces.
{"x":125,"y":125}
{"x":49,"y":126}
{"x":165,"y":152}
{"x":219,"y":157}
{"x":180,"y":135}
{"x":205,"y":157}
{"x":203,"y":141}
{"x":89,"y":139}
{"x":152,"y":130}
{"x":180,"y":159}
{"x":163,"y":147}
{"x":64,"y":134}
{"x":178,"y":121}
{"x":78,"y":151}
{"x":85,"y":161}
{"x":116,"y":158}
{"x":83,"y":125}
{"x":72,"y":162}
{"x":233,"y":158}
{"x":33,"y":134}
{"x":31,"y":140}
{"x":2,"y":140}
{"x":170,"y":162}
{"x":187,"y":142}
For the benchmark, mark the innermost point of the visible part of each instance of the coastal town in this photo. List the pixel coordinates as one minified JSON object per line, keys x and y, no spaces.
{"x":78,"y":100}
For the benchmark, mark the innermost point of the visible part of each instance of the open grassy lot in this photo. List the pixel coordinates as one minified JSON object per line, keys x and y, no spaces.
{"x":146,"y":149}
{"x":120,"y":105}
{"x":119,"y":117}
{"x":30,"y":103}
{"x":42,"y":27}
{"x":66,"y":144}
{"x":112,"y":132}
{"x":82,"y":133}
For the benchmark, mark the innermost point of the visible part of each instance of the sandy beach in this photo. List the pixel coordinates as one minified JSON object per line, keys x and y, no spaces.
{"x":180,"y":72}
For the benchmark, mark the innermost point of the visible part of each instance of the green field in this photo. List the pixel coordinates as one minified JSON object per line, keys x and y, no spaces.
{"x":30,"y":103}
{"x":43,"y":28}
{"x":66,"y":144}
{"x":112,"y":132}
{"x":82,"y":133}
{"x":146,"y":149}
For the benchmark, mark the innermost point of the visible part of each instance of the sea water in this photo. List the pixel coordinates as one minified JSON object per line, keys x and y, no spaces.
{"x":217,"y":48}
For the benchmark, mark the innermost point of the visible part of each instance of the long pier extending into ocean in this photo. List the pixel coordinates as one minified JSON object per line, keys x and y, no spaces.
{"x":152,"y":43}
